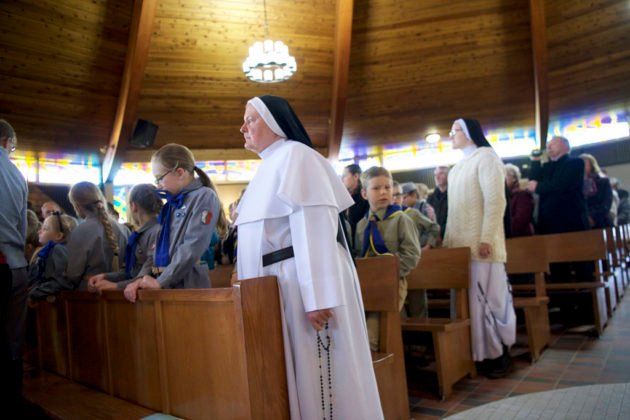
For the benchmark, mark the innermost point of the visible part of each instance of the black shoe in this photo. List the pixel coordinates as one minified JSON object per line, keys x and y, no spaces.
{"x":501,"y":367}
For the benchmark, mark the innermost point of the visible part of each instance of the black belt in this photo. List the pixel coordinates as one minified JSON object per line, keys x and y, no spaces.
{"x":286,"y":253}
{"x":277,"y":256}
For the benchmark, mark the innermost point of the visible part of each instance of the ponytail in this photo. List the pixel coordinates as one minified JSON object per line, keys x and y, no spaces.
{"x":204,"y":178}
{"x":109,"y":233}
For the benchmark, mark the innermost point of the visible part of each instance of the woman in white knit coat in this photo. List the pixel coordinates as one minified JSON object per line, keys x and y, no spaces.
{"x":476,"y":204}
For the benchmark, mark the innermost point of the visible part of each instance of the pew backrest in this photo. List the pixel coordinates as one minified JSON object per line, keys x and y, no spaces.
{"x":444,"y":268}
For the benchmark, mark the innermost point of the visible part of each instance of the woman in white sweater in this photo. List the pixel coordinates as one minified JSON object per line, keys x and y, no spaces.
{"x":476,"y":204}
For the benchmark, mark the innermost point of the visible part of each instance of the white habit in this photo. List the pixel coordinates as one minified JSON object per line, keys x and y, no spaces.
{"x":294,"y":200}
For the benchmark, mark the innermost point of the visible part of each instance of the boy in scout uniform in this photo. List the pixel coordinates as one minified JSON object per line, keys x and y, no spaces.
{"x":385,"y":230}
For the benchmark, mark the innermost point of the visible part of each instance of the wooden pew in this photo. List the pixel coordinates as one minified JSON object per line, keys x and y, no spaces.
{"x":526,"y":255}
{"x":621,"y":258}
{"x":221,"y":275}
{"x":52,"y":337}
{"x":379,"y":287}
{"x":588,"y":246}
{"x":205,"y":353}
{"x":613,"y":271}
{"x":446,"y":268}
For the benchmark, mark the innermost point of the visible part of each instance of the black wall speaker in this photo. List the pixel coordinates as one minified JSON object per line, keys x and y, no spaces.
{"x":143,"y":134}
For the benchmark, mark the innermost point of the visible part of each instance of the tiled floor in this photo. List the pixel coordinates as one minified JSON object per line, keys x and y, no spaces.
{"x":573,"y":359}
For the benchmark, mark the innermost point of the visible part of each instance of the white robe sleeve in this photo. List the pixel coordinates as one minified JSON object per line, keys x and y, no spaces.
{"x":318,"y":256}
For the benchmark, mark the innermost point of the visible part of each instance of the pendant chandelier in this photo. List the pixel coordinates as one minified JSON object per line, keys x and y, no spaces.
{"x":269,"y":61}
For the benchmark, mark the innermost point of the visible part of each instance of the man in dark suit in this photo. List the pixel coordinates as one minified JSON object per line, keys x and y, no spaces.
{"x":559,"y":183}
{"x":562,"y":206}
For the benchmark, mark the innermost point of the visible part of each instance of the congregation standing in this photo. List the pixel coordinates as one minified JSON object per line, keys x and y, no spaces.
{"x":297,"y":212}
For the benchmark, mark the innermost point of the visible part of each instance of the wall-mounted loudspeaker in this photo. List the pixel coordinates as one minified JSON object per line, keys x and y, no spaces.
{"x":143,"y":134}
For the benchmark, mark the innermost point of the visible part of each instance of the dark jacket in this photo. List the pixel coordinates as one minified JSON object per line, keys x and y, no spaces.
{"x":599,"y":203}
{"x":356,"y":212}
{"x":439,"y":202}
{"x":562,"y":207}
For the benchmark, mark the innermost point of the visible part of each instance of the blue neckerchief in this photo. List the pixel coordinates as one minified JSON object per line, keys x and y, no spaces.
{"x":130,"y":253}
{"x":162,"y":259}
{"x":42,"y":256}
{"x":372,"y":237}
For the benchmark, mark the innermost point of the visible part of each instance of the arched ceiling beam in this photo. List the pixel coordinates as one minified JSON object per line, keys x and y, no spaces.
{"x":140,"y":32}
{"x":343,"y":35}
{"x":539,"y":51}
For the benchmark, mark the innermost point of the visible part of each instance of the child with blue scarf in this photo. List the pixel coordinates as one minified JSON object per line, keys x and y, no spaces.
{"x":187,"y":221}
{"x":47,"y":271}
{"x":144,"y":206}
{"x":385,"y":230}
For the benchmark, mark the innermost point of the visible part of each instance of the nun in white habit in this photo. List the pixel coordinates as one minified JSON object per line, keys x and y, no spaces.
{"x":288,"y":226}
{"x":476,"y":204}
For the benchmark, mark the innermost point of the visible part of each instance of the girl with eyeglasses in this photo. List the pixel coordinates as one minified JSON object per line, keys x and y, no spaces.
{"x":47,"y":271}
{"x":187,"y":221}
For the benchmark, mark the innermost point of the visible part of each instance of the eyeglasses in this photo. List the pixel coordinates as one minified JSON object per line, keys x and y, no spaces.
{"x":159,"y":178}
{"x":453,"y":132}
{"x":11,"y":141}
{"x":397,"y":195}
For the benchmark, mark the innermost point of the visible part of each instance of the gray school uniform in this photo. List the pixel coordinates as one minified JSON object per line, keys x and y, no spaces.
{"x":53,"y":280}
{"x":89,"y":252}
{"x":144,"y":252}
{"x":191,"y":229}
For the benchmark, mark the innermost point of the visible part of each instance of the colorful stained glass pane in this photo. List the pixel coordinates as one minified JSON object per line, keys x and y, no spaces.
{"x":215,"y":169}
{"x":241,"y":170}
{"x":132,"y":173}
{"x":65,"y":171}
{"x":120,"y":202}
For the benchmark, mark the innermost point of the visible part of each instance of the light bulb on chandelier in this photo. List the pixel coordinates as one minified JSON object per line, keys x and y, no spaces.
{"x":269,"y":61}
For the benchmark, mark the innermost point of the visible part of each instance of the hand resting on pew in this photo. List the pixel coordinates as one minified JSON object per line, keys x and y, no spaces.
{"x":144,"y":282}
{"x":319,"y":318}
{"x":98,"y":283}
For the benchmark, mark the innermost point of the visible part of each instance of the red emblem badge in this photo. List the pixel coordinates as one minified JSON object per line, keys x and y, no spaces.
{"x":206,"y":217}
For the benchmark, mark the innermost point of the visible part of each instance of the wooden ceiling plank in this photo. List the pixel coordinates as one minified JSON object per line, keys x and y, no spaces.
{"x":341,"y":68}
{"x":142,"y":21}
{"x":540,"y":62}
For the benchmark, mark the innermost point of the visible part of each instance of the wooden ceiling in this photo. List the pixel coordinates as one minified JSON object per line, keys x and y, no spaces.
{"x":75,"y":74}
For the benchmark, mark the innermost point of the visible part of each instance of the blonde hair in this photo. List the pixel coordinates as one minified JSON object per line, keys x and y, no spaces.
{"x":373,"y":172}
{"x":68,"y":223}
{"x":514,"y":170}
{"x":173,"y":156}
{"x":86,"y":197}
{"x":595,"y":168}
{"x":423,"y":190}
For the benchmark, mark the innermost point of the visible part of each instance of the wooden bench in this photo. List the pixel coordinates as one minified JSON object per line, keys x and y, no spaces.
{"x":622,"y":254}
{"x":60,"y":398}
{"x":526,"y":255}
{"x":613,"y":267}
{"x":204,"y":353}
{"x":446,"y":268}
{"x":585,"y":246}
{"x":221,"y":275}
{"x":379,"y":277}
